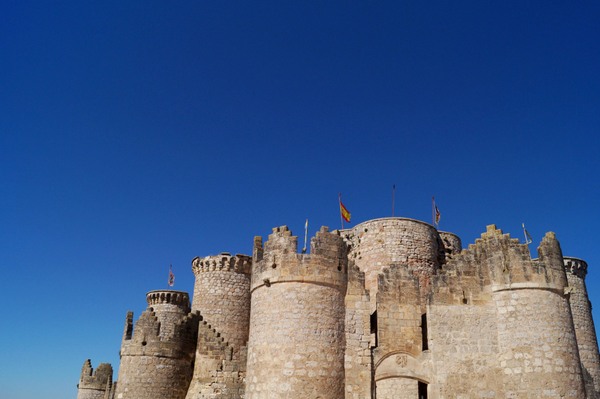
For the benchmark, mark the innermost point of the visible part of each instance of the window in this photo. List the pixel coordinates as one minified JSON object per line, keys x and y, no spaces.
{"x":424,"y":343}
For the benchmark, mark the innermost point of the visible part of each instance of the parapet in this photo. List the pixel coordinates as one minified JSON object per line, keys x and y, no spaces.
{"x":178,"y":299}
{"x":222,"y":262}
{"x":98,"y":379}
{"x":576,"y":266}
{"x":279,"y":261}
{"x":501,"y":263}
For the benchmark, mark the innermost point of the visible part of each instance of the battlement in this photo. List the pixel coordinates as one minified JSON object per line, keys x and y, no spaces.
{"x":279,"y":261}
{"x":179,"y":299}
{"x":500,"y":262}
{"x":173,"y":337}
{"x":576,"y":266}
{"x":98,"y":379}
{"x":222,"y":262}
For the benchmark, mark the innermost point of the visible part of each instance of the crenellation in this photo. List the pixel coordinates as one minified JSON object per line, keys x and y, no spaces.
{"x":95,"y":384}
{"x":575,"y":266}
{"x":391,"y":308}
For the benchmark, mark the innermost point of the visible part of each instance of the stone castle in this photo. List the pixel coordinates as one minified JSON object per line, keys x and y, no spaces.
{"x":391,"y":308}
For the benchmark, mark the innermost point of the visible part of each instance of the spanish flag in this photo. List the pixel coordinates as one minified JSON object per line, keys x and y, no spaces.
{"x":345,"y":213}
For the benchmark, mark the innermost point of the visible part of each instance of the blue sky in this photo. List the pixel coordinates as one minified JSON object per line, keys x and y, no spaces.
{"x":138,"y":135}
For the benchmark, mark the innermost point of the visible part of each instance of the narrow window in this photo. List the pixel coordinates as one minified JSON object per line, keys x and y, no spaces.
{"x":422,"y":390}
{"x":424,"y":343}
{"x":374,"y":325}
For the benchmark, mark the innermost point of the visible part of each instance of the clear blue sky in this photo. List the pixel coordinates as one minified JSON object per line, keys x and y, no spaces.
{"x":134,"y":135}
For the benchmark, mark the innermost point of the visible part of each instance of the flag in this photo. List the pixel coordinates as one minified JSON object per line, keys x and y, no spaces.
{"x":171,"y":276}
{"x":345,"y":214}
{"x":436,"y":215}
{"x":528,"y":239}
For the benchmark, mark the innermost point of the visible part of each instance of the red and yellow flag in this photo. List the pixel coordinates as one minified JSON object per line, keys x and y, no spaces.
{"x":345,"y":213}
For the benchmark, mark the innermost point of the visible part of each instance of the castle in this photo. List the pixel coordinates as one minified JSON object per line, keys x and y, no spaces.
{"x":391,"y":308}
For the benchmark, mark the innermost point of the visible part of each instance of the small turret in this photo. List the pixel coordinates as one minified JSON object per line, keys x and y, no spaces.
{"x":222,"y":294}
{"x":161,"y":345}
{"x":581,"y":309}
{"x":95,"y":384}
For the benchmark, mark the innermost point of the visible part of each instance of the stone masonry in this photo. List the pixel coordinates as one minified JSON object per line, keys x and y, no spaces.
{"x":388,"y":309}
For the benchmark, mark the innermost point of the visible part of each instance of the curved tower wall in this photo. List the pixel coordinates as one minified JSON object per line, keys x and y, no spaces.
{"x":581,"y":310}
{"x":538,"y":352}
{"x":379,"y":243}
{"x":536,"y":338}
{"x":297,"y":340}
{"x":157,"y":354}
{"x":222,"y":295}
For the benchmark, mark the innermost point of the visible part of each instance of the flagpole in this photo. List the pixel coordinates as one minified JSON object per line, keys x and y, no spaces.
{"x":393,"y":198}
{"x":340,"y":203}
{"x":305,"y":235}
{"x":433,"y":210}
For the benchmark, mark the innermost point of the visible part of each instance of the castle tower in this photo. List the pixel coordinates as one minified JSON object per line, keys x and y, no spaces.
{"x":380,"y":243}
{"x":581,"y":309}
{"x":222,"y":295}
{"x":157,"y":354}
{"x":95,"y":384}
{"x":536,"y":339}
{"x":296,"y":346}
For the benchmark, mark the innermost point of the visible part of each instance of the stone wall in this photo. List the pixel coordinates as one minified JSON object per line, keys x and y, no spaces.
{"x":463,"y":346}
{"x":536,"y":348}
{"x":397,"y":388}
{"x":219,"y":371}
{"x":358,"y":362}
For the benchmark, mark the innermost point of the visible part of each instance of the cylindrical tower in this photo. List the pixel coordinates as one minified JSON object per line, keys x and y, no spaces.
{"x":536,"y":338}
{"x":296,"y":346}
{"x":581,"y":309}
{"x":157,"y":355}
{"x":380,"y":243}
{"x":222,"y":295}
{"x":94,"y":384}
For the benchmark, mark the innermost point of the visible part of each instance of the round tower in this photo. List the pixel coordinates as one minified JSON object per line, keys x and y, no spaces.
{"x":296,"y":346}
{"x":94,"y":384}
{"x":380,"y":243}
{"x":157,"y":354}
{"x":222,"y":295}
{"x":581,"y":309}
{"x":536,"y":339}
{"x":452,"y":243}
